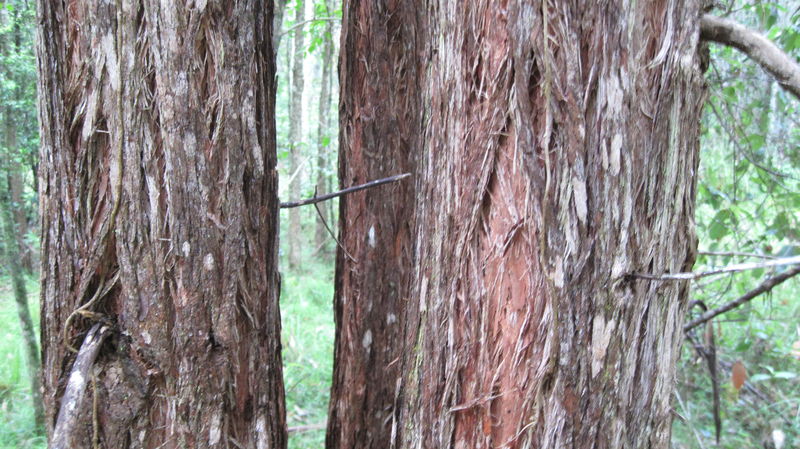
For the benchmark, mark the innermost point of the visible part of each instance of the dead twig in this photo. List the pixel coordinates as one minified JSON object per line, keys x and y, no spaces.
{"x":763,"y":287}
{"x":694,"y":275}
{"x":319,"y":212}
{"x":72,"y":400}
{"x":319,"y":199}
{"x":734,"y":254}
{"x":307,"y":427}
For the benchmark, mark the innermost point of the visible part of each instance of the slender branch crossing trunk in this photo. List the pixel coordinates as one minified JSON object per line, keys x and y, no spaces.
{"x":159,"y":218}
{"x":556,"y":155}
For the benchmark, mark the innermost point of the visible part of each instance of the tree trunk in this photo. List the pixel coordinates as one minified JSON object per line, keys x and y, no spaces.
{"x":296,"y":134}
{"x":15,"y":270}
{"x":323,"y":129}
{"x":16,"y":189}
{"x":277,"y":25}
{"x":380,"y":115}
{"x":159,"y":219}
{"x":556,"y":157}
{"x":13,"y":154}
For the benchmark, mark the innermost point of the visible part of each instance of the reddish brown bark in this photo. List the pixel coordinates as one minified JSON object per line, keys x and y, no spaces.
{"x":555,"y":156}
{"x":379,"y":118}
{"x":159,"y":217}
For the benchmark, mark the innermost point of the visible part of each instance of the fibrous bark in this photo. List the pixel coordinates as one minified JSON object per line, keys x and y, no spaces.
{"x":159,"y":218}
{"x":554,"y":148}
{"x":379,"y":132}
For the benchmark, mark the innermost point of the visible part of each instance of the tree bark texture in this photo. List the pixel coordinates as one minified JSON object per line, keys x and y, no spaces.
{"x":554,"y":148}
{"x":380,"y":117}
{"x":159,"y":218}
{"x":296,"y":133}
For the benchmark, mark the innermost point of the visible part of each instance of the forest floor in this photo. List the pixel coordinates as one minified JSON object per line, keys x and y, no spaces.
{"x":306,"y":309}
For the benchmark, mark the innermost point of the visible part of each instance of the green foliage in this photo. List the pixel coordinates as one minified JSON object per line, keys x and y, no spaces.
{"x":16,"y":415}
{"x":307,"y":315}
{"x":18,"y":79}
{"x":748,"y":203}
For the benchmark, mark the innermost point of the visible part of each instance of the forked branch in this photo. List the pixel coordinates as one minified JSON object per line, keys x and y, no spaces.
{"x":757,"y":47}
{"x":763,"y":287}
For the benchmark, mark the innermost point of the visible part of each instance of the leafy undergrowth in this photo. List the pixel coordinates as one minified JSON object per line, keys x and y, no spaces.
{"x":764,"y":335}
{"x":307,"y":315}
{"x":17,"y":429}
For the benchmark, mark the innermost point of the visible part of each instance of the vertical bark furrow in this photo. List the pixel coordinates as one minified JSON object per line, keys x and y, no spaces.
{"x":379,"y":120}
{"x":558,"y":150}
{"x":159,"y":163}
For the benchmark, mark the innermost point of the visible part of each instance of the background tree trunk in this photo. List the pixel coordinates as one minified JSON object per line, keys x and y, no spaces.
{"x":380,"y":115}
{"x":277,"y":25}
{"x":159,"y":218}
{"x":296,"y":133}
{"x":556,"y":157}
{"x":15,"y":269}
{"x":324,"y":129}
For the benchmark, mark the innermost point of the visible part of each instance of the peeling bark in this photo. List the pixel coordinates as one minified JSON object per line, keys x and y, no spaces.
{"x":554,"y":148}
{"x":159,"y":217}
{"x":379,"y":132}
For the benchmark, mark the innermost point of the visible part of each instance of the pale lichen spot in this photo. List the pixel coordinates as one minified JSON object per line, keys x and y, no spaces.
{"x":371,"y":236}
{"x":616,"y":154}
{"x":208,"y":262}
{"x":391,"y":319}
{"x":423,"y":291}
{"x":366,"y":342}
{"x":558,"y":273}
{"x":187,"y":249}
{"x":146,"y":338}
{"x":109,"y":48}
{"x":601,"y":336}
{"x":262,"y":439}
{"x":215,"y":431}
{"x":579,"y":195}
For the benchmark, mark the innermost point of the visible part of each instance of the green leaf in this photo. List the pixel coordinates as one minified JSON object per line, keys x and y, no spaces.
{"x":721,"y":224}
{"x":756,"y":141}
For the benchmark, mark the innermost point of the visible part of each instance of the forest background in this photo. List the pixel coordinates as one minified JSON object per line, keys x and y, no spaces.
{"x":748,"y":211}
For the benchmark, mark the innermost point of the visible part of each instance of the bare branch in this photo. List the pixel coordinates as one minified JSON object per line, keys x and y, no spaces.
{"x":307,"y":427}
{"x":757,"y":47}
{"x":319,"y":199}
{"x":301,"y":24}
{"x":691,"y":276}
{"x":72,"y":400}
{"x":763,"y":287}
{"x":734,"y":254}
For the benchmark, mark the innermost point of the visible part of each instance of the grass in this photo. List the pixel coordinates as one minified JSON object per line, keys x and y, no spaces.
{"x":307,"y":314}
{"x":761,"y":334}
{"x":306,"y":309}
{"x":17,"y":429}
